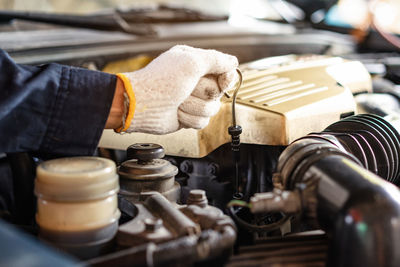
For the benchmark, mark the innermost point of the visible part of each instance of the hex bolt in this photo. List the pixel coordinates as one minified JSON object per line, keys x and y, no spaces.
{"x":213,"y":169}
{"x":186,"y":166}
{"x":152,"y":225}
{"x":197,"y":197}
{"x":172,"y":160}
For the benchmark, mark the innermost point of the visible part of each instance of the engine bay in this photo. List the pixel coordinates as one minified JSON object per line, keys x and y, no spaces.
{"x":300,"y":167}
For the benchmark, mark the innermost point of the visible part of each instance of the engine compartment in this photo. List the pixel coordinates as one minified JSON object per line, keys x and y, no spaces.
{"x":301,"y":149}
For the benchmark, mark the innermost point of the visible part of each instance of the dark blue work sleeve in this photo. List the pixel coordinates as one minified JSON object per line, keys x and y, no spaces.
{"x":52,"y":109}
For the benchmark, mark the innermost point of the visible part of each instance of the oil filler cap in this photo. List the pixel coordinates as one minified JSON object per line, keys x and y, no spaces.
{"x":145,"y":151}
{"x":145,"y":163}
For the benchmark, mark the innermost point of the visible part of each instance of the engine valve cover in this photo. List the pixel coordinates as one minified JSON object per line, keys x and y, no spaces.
{"x":281,"y":99}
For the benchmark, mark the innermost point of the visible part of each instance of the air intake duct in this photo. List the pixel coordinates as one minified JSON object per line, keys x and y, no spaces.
{"x":334,"y":174}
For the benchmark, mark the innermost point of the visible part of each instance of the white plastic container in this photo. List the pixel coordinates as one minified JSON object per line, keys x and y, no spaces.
{"x":77,"y":204}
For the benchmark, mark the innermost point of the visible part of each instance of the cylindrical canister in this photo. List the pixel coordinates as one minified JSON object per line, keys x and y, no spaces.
{"x":77,"y":206}
{"x":145,"y":171}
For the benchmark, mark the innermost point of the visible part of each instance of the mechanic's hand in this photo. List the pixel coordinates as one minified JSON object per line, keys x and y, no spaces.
{"x":179,"y":89}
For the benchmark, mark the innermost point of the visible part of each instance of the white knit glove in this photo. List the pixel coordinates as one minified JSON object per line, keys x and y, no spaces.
{"x":181,"y":88}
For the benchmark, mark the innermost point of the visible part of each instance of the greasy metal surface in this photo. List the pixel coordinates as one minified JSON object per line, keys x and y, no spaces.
{"x":146,"y":171}
{"x":145,"y":152}
{"x":288,"y":202}
{"x":300,"y":250}
{"x":133,"y":181}
{"x":167,"y":233}
{"x":134,"y":232}
{"x":153,"y":170}
{"x":197,"y":197}
{"x":174,"y":223}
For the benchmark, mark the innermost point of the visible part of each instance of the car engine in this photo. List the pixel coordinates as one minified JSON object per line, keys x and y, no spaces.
{"x":300,"y":167}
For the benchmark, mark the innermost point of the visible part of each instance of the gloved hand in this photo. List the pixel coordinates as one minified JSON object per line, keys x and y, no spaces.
{"x":181,"y":88}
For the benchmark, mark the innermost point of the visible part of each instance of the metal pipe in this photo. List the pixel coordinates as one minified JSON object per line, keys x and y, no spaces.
{"x":186,"y":250}
{"x":174,"y":218}
{"x":235,"y":131}
{"x":239,"y":84}
{"x":214,"y":242}
{"x":210,"y":244}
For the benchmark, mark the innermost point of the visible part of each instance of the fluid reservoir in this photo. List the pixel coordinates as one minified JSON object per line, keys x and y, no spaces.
{"x":77,"y":203}
{"x":145,"y":171}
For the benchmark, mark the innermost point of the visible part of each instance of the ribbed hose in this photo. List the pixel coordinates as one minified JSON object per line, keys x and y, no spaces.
{"x":360,"y":210}
{"x":373,"y":140}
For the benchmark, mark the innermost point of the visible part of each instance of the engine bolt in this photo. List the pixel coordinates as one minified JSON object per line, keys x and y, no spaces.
{"x":186,"y":166}
{"x":197,"y":197}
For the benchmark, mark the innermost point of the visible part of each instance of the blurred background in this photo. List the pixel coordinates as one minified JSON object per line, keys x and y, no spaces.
{"x":353,"y":12}
{"x":349,"y":13}
{"x":82,"y":7}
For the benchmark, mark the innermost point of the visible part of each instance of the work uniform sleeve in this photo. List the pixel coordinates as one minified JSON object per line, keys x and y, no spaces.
{"x":52,"y":109}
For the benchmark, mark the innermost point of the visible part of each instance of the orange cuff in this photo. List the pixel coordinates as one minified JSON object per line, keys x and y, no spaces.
{"x":132,"y":103}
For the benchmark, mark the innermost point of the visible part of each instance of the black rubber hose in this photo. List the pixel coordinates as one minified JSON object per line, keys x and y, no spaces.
{"x":359,"y":210}
{"x":371,"y":139}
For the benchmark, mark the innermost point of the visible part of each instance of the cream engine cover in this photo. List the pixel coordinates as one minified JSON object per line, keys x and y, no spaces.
{"x":281,"y":99}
